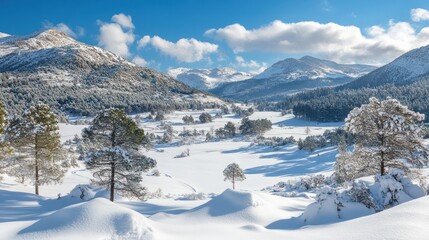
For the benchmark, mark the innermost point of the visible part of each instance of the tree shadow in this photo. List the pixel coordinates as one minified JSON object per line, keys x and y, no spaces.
{"x":21,"y":206}
{"x":149,"y":209}
{"x":292,"y":162}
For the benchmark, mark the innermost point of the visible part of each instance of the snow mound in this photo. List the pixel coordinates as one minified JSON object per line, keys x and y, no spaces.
{"x":236,"y":206}
{"x":405,"y":221}
{"x":82,"y":191}
{"x":96,"y":219}
{"x":231,"y":201}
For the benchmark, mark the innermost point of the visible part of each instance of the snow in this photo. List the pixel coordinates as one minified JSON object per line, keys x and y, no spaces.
{"x":313,"y":68}
{"x":205,"y":79}
{"x":191,"y":200}
{"x":92,"y":219}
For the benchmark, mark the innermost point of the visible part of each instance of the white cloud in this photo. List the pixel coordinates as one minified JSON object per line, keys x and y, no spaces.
{"x":140,"y":61}
{"x":253,"y":66}
{"x":114,"y":37}
{"x":3,"y":35}
{"x":65,"y":29}
{"x":143,"y":41}
{"x":124,"y":20}
{"x":184,"y":50}
{"x":80,"y":31}
{"x":330,"y":40}
{"x":419,"y":14}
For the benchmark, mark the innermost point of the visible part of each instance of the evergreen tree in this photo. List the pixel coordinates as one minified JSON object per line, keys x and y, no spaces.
{"x":343,"y":168}
{"x":188,"y":119}
{"x":388,"y":136}
{"x":230,"y":129}
{"x":111,"y":151}
{"x":307,"y":130}
{"x":35,"y":136}
{"x":5,"y":150}
{"x":233,"y":173}
{"x":258,"y":126}
{"x":205,"y":118}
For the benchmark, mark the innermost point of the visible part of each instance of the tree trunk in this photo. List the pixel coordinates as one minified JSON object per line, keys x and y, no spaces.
{"x":112,"y":174}
{"x":112,"y":182}
{"x":233,"y":180}
{"x":36,"y":168}
{"x":382,"y":170}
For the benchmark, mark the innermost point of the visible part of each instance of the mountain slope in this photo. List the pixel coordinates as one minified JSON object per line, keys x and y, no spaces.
{"x":406,"y":79}
{"x":406,"y":68}
{"x":77,"y":78}
{"x":292,"y":76}
{"x":205,"y":79}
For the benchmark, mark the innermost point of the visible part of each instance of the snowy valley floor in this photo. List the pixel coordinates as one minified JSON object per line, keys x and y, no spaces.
{"x":195,"y":203}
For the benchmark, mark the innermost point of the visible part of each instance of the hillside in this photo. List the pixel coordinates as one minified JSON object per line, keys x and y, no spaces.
{"x":77,"y":78}
{"x":406,"y":79}
{"x":406,"y":69}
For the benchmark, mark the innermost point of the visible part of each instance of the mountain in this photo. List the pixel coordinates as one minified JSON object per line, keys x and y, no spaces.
{"x":291,"y":76}
{"x":407,"y":68}
{"x":406,"y":79}
{"x":77,"y":78}
{"x":205,"y":79}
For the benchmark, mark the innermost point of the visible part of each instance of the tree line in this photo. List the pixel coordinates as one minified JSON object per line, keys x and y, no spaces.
{"x":334,"y":104}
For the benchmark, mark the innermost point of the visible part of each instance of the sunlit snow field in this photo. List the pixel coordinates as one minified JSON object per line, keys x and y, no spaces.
{"x":248,"y":213}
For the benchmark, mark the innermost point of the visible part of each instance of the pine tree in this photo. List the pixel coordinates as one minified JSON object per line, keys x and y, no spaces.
{"x":343,"y":165}
{"x":5,"y":149}
{"x":35,"y":137}
{"x":233,"y":173}
{"x":230,"y":129}
{"x":205,"y":118}
{"x":307,"y":130}
{"x":111,"y":151}
{"x":388,"y":136}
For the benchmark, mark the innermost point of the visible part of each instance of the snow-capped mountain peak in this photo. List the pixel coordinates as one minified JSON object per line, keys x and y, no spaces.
{"x":406,"y":68}
{"x":309,"y":67}
{"x":205,"y":79}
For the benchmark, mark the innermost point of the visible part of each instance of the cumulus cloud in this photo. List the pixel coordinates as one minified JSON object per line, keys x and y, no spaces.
{"x":143,"y":41}
{"x":337,"y":42}
{"x":140,"y":61}
{"x":124,"y":20}
{"x":184,"y":50}
{"x":117,"y":35}
{"x":253,"y":66}
{"x":65,"y":29}
{"x":419,"y":14}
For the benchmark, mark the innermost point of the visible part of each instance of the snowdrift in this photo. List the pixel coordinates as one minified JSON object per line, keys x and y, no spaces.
{"x":96,"y":219}
{"x":236,"y":206}
{"x":405,"y":221}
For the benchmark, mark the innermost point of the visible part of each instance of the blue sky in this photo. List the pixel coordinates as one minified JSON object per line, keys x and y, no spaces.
{"x":245,"y":34}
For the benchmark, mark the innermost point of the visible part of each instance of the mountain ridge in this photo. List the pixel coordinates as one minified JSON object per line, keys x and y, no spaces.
{"x":291,"y":76}
{"x":205,"y":79}
{"x":77,"y":78}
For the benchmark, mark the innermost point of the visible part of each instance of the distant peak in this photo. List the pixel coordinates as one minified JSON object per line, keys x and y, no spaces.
{"x":52,"y":32}
{"x":309,"y":58}
{"x":2,"y":35}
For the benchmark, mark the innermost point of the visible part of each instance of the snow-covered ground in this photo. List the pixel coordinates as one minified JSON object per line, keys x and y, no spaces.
{"x":194,"y":201}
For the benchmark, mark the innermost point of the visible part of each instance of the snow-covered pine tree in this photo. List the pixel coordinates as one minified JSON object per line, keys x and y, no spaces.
{"x":233,"y":173}
{"x":343,"y":166}
{"x":230,"y":129}
{"x":389,"y":136}
{"x":5,"y":150}
{"x":36,"y":140}
{"x":111,"y":151}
